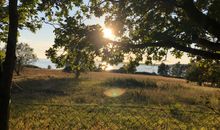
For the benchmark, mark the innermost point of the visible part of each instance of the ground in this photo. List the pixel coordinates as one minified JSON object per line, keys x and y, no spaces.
{"x":52,"y":99}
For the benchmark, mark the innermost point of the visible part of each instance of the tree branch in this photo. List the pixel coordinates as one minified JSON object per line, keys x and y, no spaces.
{"x":208,"y":44}
{"x":52,"y":24}
{"x":201,"y":19}
{"x":171,"y":44}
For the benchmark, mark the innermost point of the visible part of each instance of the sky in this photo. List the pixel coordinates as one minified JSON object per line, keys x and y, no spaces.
{"x":43,"y":39}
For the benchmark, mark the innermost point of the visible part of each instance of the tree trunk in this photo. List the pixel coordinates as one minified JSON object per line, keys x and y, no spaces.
{"x":199,"y":83}
{"x":77,"y":74}
{"x":18,"y":67}
{"x":8,"y":66}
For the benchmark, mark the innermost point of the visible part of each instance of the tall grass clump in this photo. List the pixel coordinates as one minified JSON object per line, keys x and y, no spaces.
{"x":130,"y":83}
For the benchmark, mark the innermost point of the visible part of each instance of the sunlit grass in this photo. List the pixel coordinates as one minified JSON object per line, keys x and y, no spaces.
{"x":102,"y":89}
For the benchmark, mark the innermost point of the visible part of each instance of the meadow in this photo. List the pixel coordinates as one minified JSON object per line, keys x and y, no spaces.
{"x":52,"y":99}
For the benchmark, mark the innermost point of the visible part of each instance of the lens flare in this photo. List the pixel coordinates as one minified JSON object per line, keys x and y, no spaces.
{"x":114,"y":92}
{"x":108,"y":33}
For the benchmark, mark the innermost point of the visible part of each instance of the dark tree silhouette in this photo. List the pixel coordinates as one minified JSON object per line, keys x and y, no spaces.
{"x":163,"y":69}
{"x":29,"y":18}
{"x":156,"y":26}
{"x":8,"y":66}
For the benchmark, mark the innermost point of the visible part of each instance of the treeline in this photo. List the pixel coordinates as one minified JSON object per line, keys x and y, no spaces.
{"x":177,"y":70}
{"x":202,"y":72}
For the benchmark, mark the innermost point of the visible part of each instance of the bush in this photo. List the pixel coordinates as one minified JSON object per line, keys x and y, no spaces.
{"x":49,"y":67}
{"x":195,"y":74}
{"x":204,"y":71}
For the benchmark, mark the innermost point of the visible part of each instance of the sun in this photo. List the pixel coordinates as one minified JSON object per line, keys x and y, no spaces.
{"x":107,"y":33}
{"x":109,"y":67}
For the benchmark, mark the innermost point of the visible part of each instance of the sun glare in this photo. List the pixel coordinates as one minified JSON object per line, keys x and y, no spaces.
{"x":114,"y":92}
{"x":108,"y":33}
{"x":109,"y":67}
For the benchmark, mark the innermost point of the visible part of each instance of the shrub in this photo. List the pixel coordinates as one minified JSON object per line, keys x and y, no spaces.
{"x":204,"y":71}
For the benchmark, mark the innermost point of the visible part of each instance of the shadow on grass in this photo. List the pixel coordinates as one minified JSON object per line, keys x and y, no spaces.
{"x":37,"y":90}
{"x":130,"y":83}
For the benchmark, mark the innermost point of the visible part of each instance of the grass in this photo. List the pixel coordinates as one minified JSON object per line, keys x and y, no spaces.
{"x":130,"y":83}
{"x":49,"y":99}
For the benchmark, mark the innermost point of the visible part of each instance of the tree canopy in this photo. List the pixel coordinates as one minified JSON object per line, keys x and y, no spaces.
{"x":76,"y":45}
{"x":163,"y":69}
{"x":24,"y":56}
{"x":33,"y":13}
{"x":158,"y":27}
{"x":204,"y":71}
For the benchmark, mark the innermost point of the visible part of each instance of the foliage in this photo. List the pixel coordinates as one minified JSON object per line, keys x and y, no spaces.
{"x":195,"y":74}
{"x":157,"y":27}
{"x":2,"y":57}
{"x":76,"y":46}
{"x":204,"y":71}
{"x":24,"y":56}
{"x":33,"y":13}
{"x":178,"y":70}
{"x":163,"y":69}
{"x":100,"y":68}
{"x":130,"y":67}
{"x":112,"y":54}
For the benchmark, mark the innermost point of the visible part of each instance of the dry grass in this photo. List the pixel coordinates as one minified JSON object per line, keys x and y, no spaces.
{"x":59,"y":87}
{"x":29,"y":73}
{"x":42,"y":87}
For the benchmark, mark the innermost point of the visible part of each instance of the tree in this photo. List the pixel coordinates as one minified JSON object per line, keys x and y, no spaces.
{"x":214,"y":76}
{"x":49,"y":67}
{"x":76,"y":46}
{"x":163,"y":69}
{"x":178,"y":70}
{"x":159,"y":26}
{"x":24,"y":56}
{"x":10,"y":22}
{"x":204,"y":71}
{"x":130,"y":67}
{"x":195,"y":74}
{"x":8,"y":66}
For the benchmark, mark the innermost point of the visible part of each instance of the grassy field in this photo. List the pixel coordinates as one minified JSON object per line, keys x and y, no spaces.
{"x":49,"y":99}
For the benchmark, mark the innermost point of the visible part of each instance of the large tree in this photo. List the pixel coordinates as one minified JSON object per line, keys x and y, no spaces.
{"x":8,"y":66}
{"x":76,"y":45}
{"x":162,"y":26}
{"x":31,"y":15}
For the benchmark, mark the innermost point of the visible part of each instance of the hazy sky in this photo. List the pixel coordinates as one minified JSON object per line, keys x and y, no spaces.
{"x":44,"y":38}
